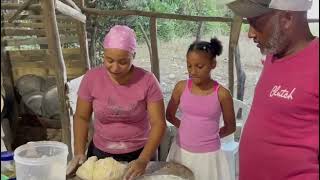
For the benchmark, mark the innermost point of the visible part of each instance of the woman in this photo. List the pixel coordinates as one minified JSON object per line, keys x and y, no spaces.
{"x":128,"y":107}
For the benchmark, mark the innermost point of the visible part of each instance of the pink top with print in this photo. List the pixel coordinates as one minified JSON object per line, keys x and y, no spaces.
{"x":280,"y":140}
{"x":121,"y":122}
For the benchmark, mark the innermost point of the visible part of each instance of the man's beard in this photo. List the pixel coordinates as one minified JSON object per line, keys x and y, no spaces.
{"x":276,"y":43}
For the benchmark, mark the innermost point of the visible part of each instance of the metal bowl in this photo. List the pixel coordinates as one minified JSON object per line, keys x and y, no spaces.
{"x":50,"y":103}
{"x":33,"y":101}
{"x":166,"y":170}
{"x":29,"y":83}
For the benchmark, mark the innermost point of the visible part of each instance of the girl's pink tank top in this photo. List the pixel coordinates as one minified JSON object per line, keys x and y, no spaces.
{"x":199,"y":128}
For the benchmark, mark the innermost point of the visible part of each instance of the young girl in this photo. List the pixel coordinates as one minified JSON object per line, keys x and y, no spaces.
{"x":201,"y":101}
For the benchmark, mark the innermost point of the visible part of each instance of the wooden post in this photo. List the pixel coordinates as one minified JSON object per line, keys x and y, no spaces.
{"x":83,"y":41}
{"x":57,"y":61}
{"x":154,"y":54}
{"x":233,"y":41}
{"x":198,"y":34}
{"x":92,"y":32}
{"x":241,"y":79}
{"x":92,"y":47}
{"x":99,"y":12}
{"x":155,"y":57}
{"x":8,"y":85}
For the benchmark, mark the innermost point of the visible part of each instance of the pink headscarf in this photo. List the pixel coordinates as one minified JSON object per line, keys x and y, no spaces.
{"x":120,"y":37}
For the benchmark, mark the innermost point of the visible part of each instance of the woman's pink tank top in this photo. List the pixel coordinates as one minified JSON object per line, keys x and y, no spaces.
{"x":199,"y":127}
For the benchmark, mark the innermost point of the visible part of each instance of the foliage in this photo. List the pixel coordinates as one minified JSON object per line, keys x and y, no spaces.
{"x":166,"y":29}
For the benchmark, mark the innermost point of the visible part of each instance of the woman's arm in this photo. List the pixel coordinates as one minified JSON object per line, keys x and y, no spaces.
{"x":174,"y":104}
{"x":81,"y":122}
{"x":158,"y":127}
{"x":226,"y":103}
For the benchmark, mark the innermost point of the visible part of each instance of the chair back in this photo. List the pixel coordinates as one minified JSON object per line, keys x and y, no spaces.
{"x":241,"y":111}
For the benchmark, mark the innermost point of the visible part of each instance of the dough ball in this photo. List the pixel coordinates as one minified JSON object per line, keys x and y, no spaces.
{"x":108,"y":169}
{"x":85,"y":171}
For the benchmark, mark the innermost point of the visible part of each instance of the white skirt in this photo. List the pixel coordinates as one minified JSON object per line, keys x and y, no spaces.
{"x":205,"y":166}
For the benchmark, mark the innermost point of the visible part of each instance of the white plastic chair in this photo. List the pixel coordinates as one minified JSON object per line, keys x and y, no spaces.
{"x":3,"y":146}
{"x":73,"y":89}
{"x":228,"y":144}
{"x":167,"y":141}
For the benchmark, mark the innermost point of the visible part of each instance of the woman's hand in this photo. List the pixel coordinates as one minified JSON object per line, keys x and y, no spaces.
{"x":76,"y":161}
{"x":136,"y":168}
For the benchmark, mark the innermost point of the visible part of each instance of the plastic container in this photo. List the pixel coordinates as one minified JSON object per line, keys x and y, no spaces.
{"x":7,"y":166}
{"x":42,"y":160}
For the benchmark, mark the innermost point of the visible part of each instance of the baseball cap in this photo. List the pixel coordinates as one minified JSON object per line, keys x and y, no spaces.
{"x":253,"y":8}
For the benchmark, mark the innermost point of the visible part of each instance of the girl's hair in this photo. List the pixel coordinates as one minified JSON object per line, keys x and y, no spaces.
{"x":213,"y":48}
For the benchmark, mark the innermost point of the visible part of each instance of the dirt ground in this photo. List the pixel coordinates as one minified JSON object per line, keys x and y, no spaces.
{"x":173,"y":63}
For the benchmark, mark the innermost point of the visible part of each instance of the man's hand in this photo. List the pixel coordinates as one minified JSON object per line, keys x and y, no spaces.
{"x":136,"y":168}
{"x":75,"y":163}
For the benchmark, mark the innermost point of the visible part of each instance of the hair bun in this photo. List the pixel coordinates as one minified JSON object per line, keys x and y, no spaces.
{"x":216,"y":45}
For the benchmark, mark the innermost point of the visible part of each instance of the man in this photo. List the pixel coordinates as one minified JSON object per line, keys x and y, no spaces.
{"x":280,"y":140}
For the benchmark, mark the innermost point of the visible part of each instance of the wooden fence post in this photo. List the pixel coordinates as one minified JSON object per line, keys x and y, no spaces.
{"x":233,"y":41}
{"x":8,"y":85}
{"x":57,"y":61}
{"x":83,"y":41}
{"x":154,"y":47}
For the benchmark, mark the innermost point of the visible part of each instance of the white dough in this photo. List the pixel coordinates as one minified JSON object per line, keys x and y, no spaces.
{"x":85,"y":171}
{"x":103,"y":169}
{"x":108,"y":169}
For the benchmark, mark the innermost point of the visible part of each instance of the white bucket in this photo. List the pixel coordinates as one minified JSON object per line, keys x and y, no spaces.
{"x":41,"y":160}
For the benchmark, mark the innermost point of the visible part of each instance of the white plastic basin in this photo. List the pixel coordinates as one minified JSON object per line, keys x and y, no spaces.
{"x":41,"y":160}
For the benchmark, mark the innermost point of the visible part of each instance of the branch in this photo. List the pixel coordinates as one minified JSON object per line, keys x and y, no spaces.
{"x":147,"y":40}
{"x":72,"y":4}
{"x":69,"y":11}
{"x":21,"y":8}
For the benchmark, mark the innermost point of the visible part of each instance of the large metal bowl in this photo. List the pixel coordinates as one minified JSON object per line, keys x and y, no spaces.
{"x":50,"y":103}
{"x":33,"y":101}
{"x":166,"y":170}
{"x":29,"y":83}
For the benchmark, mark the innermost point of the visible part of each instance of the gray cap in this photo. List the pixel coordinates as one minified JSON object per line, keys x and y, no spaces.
{"x":253,"y":8}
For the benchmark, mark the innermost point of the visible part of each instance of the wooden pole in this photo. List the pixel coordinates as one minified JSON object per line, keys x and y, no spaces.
{"x":198,"y":34}
{"x":57,"y":61}
{"x":233,"y":41}
{"x":8,"y":85}
{"x":92,"y":32}
{"x":92,"y":47}
{"x":155,"y":57}
{"x":17,"y":6}
{"x":241,"y":79}
{"x":83,"y":41}
{"x":93,"y":11}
